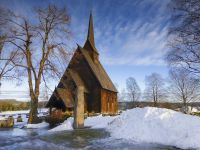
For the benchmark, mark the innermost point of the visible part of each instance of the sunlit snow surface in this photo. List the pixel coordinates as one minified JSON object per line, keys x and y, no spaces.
{"x":149,"y":125}
{"x":157,"y":125}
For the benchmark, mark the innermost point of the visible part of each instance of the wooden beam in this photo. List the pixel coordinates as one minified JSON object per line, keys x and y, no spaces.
{"x":79,"y":108}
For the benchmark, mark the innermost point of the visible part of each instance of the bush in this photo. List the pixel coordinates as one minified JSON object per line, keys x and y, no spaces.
{"x":7,"y":123}
{"x":19,"y":119}
{"x":196,"y":114}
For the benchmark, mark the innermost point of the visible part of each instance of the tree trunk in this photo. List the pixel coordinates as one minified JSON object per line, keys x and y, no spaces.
{"x":33,"y":118}
{"x":155,"y":101}
{"x":185,"y":110}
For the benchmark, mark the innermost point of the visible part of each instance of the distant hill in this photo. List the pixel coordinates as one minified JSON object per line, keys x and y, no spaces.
{"x":8,"y":100}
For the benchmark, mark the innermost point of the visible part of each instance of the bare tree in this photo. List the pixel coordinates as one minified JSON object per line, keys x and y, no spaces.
{"x":155,"y":88}
{"x":185,"y":35}
{"x":6,"y":68}
{"x":184,"y":87}
{"x":40,"y":48}
{"x":122,"y":95}
{"x":133,"y":89}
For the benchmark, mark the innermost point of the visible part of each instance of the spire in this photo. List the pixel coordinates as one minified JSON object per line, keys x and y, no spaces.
{"x":90,"y":44}
{"x":90,"y":36}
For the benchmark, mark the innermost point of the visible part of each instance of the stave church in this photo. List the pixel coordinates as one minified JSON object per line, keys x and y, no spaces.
{"x":86,"y":75}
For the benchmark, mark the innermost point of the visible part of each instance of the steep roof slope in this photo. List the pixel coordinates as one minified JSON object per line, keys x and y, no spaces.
{"x":95,"y":65}
{"x":98,"y":71}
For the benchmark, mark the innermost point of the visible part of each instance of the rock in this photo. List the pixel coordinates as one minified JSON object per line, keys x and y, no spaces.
{"x":19,"y":118}
{"x":7,"y":123}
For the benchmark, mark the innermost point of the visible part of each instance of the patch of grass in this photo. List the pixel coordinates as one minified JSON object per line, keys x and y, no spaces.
{"x":196,"y":114}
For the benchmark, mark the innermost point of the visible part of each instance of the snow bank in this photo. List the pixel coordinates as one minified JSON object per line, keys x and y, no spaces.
{"x":98,"y":121}
{"x":14,"y":112}
{"x":150,"y":125}
{"x":2,"y":118}
{"x":66,"y":125}
{"x":157,"y":125}
{"x":93,"y":122}
{"x":41,"y":110}
{"x":37,"y":126}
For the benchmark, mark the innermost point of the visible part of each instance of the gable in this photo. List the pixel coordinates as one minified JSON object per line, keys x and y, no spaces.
{"x":98,"y":72}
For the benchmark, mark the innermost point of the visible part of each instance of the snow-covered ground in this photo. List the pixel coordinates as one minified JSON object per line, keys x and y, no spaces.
{"x":143,"y":125}
{"x":43,"y":110}
{"x":2,"y":118}
{"x":66,"y":125}
{"x":93,"y":122}
{"x":150,"y":125}
{"x":37,"y":126}
{"x":14,"y":112}
{"x":4,"y":115}
{"x":99,"y":121}
{"x":156,"y":125}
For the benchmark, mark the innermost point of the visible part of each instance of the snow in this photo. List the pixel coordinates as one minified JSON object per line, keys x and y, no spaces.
{"x":193,"y":109}
{"x":99,"y":121}
{"x":42,"y":110}
{"x":93,"y":122}
{"x":14,"y":112}
{"x":147,"y":125}
{"x":141,"y":125}
{"x":18,"y":132}
{"x":23,"y":113}
{"x":2,"y":118}
{"x":37,"y":126}
{"x":66,"y":125}
{"x":157,"y":125}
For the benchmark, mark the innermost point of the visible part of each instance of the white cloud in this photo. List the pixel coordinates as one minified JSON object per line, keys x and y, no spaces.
{"x":137,"y":42}
{"x":125,"y":41}
{"x":134,"y":46}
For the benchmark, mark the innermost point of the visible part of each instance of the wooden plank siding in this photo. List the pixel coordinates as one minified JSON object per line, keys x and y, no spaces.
{"x":109,"y":103}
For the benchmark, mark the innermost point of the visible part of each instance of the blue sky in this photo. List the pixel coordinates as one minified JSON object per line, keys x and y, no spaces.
{"x":131,"y":35}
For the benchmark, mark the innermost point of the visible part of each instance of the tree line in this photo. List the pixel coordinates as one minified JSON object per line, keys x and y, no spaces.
{"x":7,"y":106}
{"x":180,"y":86}
{"x":13,"y":105}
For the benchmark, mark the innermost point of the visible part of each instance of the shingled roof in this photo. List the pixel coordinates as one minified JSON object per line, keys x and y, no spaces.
{"x":98,"y":71}
{"x":62,"y":96}
{"x":96,"y":67}
{"x":66,"y":96}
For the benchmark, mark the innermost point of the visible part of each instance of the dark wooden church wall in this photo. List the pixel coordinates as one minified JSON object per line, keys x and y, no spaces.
{"x":93,"y":97}
{"x":96,"y":100}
